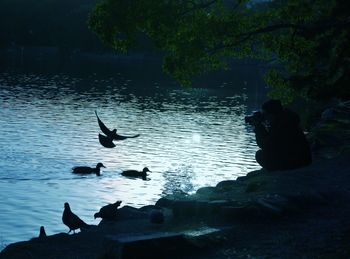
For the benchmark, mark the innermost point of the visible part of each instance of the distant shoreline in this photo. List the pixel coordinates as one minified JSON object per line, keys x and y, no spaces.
{"x":20,"y":56}
{"x":57,"y":59}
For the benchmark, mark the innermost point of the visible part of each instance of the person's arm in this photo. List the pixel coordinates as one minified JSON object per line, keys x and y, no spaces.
{"x":261,"y":135}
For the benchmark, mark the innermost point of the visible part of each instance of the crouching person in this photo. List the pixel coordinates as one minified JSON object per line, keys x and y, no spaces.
{"x":282,"y":142}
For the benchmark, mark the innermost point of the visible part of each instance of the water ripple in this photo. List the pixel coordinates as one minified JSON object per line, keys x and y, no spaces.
{"x":188,"y":139}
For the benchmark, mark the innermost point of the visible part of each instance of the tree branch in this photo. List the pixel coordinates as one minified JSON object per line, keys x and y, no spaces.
{"x":199,"y":6}
{"x":315,"y":27}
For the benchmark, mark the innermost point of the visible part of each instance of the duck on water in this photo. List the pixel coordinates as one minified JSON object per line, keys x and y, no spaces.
{"x":135,"y":173}
{"x":88,"y":170}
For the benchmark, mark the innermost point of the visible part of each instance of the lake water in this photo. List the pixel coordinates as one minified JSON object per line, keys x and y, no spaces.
{"x":190,"y":138}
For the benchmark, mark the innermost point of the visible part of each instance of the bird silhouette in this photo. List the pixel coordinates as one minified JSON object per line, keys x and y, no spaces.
{"x":42,"y":233}
{"x":88,"y":170}
{"x":135,"y":173}
{"x":107,"y":141}
{"x":71,"y":220}
{"x":109,"y":211}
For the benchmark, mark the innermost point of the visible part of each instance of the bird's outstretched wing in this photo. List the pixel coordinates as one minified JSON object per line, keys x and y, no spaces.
{"x":105,"y":141}
{"x":119,"y":137}
{"x":103,"y":127}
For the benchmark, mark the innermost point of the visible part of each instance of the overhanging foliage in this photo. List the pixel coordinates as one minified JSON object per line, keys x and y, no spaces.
{"x":309,"y":40}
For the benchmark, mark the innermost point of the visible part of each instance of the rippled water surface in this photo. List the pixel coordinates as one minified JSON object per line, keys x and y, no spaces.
{"x":190,"y":138}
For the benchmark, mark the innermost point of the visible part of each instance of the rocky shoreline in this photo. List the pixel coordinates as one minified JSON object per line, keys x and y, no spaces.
{"x":301,"y":213}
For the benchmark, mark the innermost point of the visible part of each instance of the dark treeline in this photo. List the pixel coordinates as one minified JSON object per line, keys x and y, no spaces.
{"x":57,"y":23}
{"x":50,"y":23}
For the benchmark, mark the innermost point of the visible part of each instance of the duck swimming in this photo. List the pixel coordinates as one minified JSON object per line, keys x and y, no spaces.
{"x":88,"y":170}
{"x":107,"y":141}
{"x":135,"y":173}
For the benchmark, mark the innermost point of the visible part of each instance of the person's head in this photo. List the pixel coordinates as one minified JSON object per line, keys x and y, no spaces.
{"x":272,"y":109}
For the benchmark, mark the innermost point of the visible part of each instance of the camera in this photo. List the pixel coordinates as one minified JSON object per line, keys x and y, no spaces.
{"x":255,"y":118}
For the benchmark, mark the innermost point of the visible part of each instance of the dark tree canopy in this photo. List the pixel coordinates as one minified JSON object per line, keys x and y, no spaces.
{"x":57,"y":23}
{"x":307,"y":41}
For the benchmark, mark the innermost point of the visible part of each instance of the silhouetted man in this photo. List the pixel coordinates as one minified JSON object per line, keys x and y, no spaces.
{"x":282,"y":142}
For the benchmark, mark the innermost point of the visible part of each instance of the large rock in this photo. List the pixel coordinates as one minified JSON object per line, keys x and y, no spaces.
{"x":331,"y":135}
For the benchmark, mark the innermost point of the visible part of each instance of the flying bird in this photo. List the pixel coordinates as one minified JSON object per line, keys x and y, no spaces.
{"x":107,"y":141}
{"x":109,"y":211}
{"x":88,"y":170}
{"x":135,"y":173}
{"x":71,"y":220}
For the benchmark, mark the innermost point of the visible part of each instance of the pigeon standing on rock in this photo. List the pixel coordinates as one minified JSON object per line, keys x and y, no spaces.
{"x":109,"y":211}
{"x":42,"y":233}
{"x":71,"y":220}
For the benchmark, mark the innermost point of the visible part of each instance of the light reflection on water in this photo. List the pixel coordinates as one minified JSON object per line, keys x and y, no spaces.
{"x":189,"y":139}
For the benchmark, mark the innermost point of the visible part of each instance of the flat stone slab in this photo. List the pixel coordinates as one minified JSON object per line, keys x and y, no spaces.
{"x":143,"y":237}
{"x":153,"y":245}
{"x":159,"y":244}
